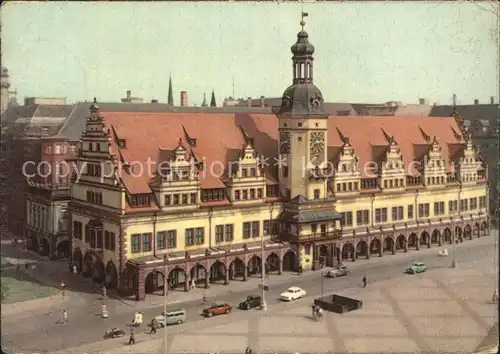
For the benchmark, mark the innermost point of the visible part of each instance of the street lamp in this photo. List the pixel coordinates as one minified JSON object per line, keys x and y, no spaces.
{"x":454,"y":233}
{"x":263,"y":305}
{"x":165,"y":290}
{"x":322,"y":276}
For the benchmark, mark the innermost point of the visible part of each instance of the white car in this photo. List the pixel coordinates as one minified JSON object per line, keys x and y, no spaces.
{"x":292,"y":293}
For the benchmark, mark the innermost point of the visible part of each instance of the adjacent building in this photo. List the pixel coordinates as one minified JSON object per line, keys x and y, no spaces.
{"x":160,"y":201}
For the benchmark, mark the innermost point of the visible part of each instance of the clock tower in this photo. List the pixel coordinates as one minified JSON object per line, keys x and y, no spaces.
{"x":303,"y":128}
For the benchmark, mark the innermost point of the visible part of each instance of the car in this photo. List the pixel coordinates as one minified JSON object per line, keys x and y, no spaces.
{"x":173,"y":317}
{"x":217,"y":309}
{"x":292,"y":293}
{"x":338,"y":272}
{"x":416,"y":267}
{"x":250,"y":302}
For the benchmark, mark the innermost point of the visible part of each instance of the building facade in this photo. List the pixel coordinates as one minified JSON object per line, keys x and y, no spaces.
{"x":162,"y":202}
{"x":47,"y":195}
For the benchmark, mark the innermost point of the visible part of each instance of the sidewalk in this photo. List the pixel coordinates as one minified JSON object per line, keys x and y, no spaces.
{"x":253,"y":282}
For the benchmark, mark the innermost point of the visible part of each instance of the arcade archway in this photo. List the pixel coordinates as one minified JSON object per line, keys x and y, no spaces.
{"x":362,"y":249}
{"x":254,"y":265}
{"x":198,"y":274}
{"x":111,"y":275}
{"x":436,"y":237}
{"x":176,"y":278}
{"x":290,"y":261}
{"x":388,"y":244}
{"x":88,"y":265}
{"x":412,"y":240}
{"x":154,"y":283}
{"x":63,"y":249}
{"x":325,"y":256}
{"x":44,"y":248}
{"x":348,"y":252}
{"x":447,"y":236}
{"x":400,"y":243}
{"x":99,"y":272}
{"x":217,"y":272}
{"x":375,"y":246}
{"x":467,"y":232}
{"x":78,"y":259}
{"x":424,"y":238}
{"x":237,"y":269}
{"x":272,"y":263}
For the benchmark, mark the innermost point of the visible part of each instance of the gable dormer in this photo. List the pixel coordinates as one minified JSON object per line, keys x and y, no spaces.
{"x":94,"y":140}
{"x":177,"y":185}
{"x":434,"y":169}
{"x":246,"y":181}
{"x":470,"y":168}
{"x":392,"y":172}
{"x":347,"y":178}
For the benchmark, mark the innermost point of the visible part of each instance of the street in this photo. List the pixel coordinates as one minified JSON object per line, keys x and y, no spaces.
{"x":43,"y":333}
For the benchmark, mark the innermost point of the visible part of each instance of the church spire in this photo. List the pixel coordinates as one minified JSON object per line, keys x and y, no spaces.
{"x":212,"y":100}
{"x":170,"y":92}
{"x":204,"y":103}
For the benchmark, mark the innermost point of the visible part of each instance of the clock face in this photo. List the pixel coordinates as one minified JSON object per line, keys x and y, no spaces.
{"x":284,"y":143}
{"x":317,"y":147}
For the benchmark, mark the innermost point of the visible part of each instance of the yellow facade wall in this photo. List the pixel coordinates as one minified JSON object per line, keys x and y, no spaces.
{"x":110,"y":198}
{"x":236,"y":216}
{"x":107,"y":226}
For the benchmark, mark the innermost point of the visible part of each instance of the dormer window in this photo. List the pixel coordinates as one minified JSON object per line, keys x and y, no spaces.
{"x":138,"y":200}
{"x":244,"y":172}
{"x":209,"y":195}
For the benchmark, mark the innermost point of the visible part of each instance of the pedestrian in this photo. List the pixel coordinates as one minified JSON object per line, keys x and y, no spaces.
{"x":317,"y":311}
{"x":495,"y":296}
{"x":193,"y":284}
{"x":65,"y":316}
{"x":75,"y":270}
{"x":364,"y":282}
{"x":313,"y":307}
{"x":131,"y":339}
{"x":300,"y":269}
{"x":104,"y":292}
{"x":63,"y":286}
{"x":153,"y":326}
{"x":248,"y":350}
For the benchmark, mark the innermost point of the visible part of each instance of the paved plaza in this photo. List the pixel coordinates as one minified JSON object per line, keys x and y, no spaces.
{"x":443,"y":310}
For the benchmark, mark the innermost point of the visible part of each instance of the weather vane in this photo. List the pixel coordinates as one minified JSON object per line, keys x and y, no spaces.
{"x":302,"y":22}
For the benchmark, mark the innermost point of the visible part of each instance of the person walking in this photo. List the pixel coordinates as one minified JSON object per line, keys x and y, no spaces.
{"x":153,"y":326}
{"x":495,"y":296}
{"x":313,"y":307}
{"x":65,"y":316}
{"x":63,"y":287}
{"x":248,"y":350}
{"x":104,"y":292}
{"x":364,"y":282}
{"x":131,"y":339}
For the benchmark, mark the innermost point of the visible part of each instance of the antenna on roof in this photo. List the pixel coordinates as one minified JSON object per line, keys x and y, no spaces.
{"x":234,"y":96}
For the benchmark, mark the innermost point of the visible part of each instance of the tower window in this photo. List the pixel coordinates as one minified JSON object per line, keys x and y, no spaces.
{"x":317,"y":125}
{"x":285,"y":124}
{"x":300,"y":138}
{"x":300,"y":124}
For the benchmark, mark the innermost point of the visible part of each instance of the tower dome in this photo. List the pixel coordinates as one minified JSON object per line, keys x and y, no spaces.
{"x":302,"y":98}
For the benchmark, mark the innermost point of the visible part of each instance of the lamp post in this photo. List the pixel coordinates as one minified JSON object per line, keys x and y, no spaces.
{"x":454,"y":245}
{"x":263,"y":305}
{"x":322,"y":276}
{"x":165,"y":290}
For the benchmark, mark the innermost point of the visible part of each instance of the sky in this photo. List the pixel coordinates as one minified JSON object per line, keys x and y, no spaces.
{"x":365,"y":52}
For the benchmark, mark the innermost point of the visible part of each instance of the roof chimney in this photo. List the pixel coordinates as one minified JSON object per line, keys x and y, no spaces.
{"x":129,"y":94}
{"x":454,"y":99}
{"x":476,"y":101}
{"x":492,"y":100}
{"x":184,"y":99}
{"x":249,"y":102}
{"x":154,"y":101}
{"x":262,"y":101}
{"x":421,"y":101}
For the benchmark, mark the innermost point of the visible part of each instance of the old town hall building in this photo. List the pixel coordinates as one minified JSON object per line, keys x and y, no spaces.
{"x":170,"y":198}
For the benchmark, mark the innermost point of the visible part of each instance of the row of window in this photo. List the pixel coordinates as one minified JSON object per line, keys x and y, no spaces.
{"x":94,"y":197}
{"x":180,"y":199}
{"x":394,"y":183}
{"x":95,"y":237}
{"x":196,"y":236}
{"x":397,"y":212}
{"x":94,"y":169}
{"x":60,"y":149}
{"x":347,"y":187}
{"x":246,"y":194}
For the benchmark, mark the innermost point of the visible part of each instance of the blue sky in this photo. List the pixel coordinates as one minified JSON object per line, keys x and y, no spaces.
{"x":365,"y":52}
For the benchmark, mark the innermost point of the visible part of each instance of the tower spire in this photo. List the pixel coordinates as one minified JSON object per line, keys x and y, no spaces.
{"x":212,"y":100}
{"x":204,"y":103}
{"x":170,"y":92}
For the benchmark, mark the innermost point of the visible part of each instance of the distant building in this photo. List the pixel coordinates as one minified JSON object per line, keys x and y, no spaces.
{"x":8,"y":97}
{"x":130,"y":99}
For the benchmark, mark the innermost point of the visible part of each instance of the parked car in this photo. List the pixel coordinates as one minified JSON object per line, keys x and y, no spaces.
{"x":338,"y":272}
{"x":416,"y":267}
{"x":292,"y":293}
{"x":173,"y":317}
{"x":217,"y":309}
{"x":250,"y":302}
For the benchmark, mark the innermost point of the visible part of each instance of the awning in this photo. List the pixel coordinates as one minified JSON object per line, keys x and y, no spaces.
{"x":311,"y":216}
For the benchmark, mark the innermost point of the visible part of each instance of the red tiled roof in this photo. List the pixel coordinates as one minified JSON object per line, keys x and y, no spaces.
{"x":219,"y":138}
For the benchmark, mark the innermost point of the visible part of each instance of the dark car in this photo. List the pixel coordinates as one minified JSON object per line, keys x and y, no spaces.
{"x":250,"y":303}
{"x":217,"y":309}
